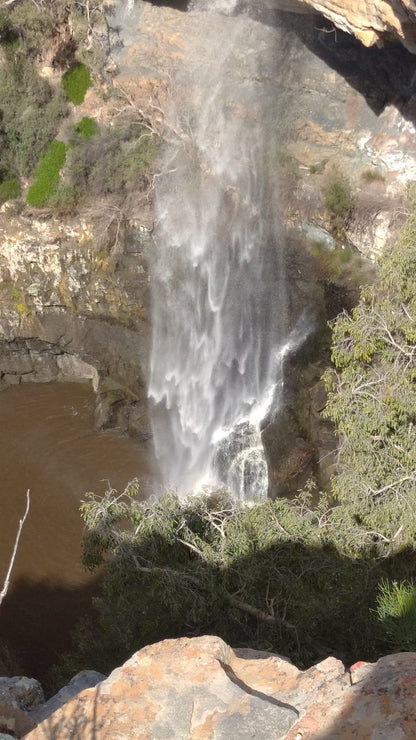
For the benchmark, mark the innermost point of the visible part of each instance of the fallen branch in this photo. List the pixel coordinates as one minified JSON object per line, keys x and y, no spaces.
{"x":16,"y":544}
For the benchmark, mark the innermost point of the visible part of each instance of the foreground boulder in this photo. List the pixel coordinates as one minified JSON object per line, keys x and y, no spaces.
{"x":18,"y":695}
{"x":201,"y":689}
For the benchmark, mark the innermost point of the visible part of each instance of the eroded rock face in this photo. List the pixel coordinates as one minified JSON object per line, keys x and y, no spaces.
{"x":70,"y":309}
{"x":368,"y":20}
{"x":201,"y":689}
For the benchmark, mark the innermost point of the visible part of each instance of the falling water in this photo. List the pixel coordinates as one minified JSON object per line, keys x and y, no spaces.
{"x":219,"y":297}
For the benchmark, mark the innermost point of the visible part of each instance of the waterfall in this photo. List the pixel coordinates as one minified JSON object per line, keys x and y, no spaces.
{"x":219,"y":304}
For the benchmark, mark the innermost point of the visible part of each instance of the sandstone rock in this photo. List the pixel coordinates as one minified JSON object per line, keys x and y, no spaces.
{"x":369,"y":21}
{"x":71,"y":311}
{"x":175,"y":689}
{"x":201,"y":689}
{"x":378,"y":704}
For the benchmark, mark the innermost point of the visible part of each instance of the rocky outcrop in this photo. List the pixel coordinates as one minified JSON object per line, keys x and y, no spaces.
{"x":371,"y":22}
{"x":340,"y":109}
{"x":201,"y":689}
{"x":80,"y":682}
{"x":18,"y":695}
{"x":73,"y":307}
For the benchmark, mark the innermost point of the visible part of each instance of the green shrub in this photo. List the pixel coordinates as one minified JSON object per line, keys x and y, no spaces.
{"x":47,"y":175}
{"x":7,"y":33}
{"x":318,"y":168}
{"x":112,"y":162}
{"x":396,"y":614}
{"x":254,"y":576}
{"x":30,"y":112}
{"x":339,"y":203}
{"x":372,"y":398}
{"x":138,"y":158}
{"x":64,"y":199}
{"x":32,"y":25}
{"x":87,"y":127}
{"x":76,"y":82}
{"x":9,"y":190}
{"x":338,"y":198}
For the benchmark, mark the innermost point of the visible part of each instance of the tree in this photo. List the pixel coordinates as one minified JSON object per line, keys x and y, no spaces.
{"x":208,"y":565}
{"x":373,"y":399}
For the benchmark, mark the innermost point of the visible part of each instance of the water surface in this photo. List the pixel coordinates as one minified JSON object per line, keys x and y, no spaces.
{"x":48,"y":445}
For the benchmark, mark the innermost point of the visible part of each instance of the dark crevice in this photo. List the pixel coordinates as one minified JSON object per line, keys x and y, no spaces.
{"x":253,"y":692}
{"x":384,"y":76}
{"x":181,"y":5}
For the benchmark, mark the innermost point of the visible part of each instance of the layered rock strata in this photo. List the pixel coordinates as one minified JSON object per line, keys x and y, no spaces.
{"x":71,"y":309}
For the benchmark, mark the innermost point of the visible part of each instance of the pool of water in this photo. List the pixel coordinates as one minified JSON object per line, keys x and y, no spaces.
{"x":48,"y":445}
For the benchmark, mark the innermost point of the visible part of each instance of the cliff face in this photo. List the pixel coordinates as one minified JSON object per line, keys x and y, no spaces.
{"x":71,"y":307}
{"x":368,"y":20}
{"x":201,"y":689}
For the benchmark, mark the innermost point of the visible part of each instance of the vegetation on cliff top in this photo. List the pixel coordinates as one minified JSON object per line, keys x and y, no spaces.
{"x":31,"y":109}
{"x":74,"y":39}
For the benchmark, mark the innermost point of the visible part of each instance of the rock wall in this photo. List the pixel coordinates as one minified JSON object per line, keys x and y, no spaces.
{"x":201,"y":689}
{"x":341,"y":109}
{"x":70,"y":309}
{"x":368,"y":20}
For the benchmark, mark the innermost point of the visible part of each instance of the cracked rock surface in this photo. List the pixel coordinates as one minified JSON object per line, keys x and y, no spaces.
{"x":201,"y":689}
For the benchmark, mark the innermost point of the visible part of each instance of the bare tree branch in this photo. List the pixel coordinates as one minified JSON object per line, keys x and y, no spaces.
{"x":16,"y":544}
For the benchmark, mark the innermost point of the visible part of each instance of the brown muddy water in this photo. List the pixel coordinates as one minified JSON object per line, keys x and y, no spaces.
{"x":48,"y":445}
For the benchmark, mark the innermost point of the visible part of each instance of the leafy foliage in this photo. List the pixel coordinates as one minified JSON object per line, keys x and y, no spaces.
{"x":396,"y":613}
{"x":254,"y":576}
{"x":30,"y":113}
{"x":30,"y":25}
{"x":75,"y":83}
{"x":373,"y":399}
{"x":9,"y":189}
{"x":47,"y":175}
{"x":86,"y":127}
{"x":114,"y":161}
{"x":339,"y":203}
